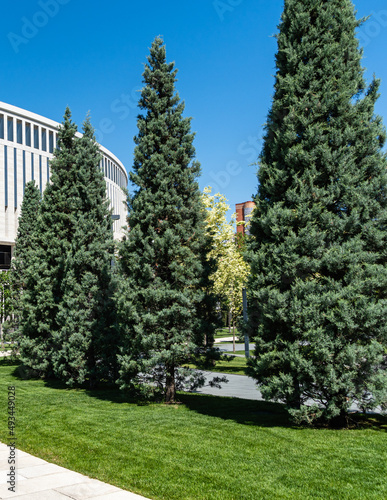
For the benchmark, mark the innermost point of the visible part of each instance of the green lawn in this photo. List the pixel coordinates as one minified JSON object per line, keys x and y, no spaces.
{"x":223,"y":332}
{"x":242,"y":352}
{"x":204,"y":448}
{"x":234,"y":366}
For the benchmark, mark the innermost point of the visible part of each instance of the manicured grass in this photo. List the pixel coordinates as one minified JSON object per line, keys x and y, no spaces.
{"x":206,"y":448}
{"x":234,"y":366}
{"x":223,"y":332}
{"x":243,"y":352}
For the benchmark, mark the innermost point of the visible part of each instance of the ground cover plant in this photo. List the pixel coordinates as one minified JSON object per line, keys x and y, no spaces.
{"x":206,"y":448}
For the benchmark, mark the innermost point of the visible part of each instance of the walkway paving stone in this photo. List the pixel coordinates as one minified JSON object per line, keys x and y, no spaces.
{"x":37,"y":479}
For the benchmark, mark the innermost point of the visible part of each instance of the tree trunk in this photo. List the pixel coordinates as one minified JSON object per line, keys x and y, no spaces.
{"x":229,"y":322}
{"x":170,"y":385}
{"x":233,"y":336}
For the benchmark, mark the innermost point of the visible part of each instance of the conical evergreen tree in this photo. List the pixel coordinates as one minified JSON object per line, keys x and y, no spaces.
{"x":43,"y":291}
{"x":86,"y":344}
{"x":68,"y":328}
{"x":318,"y":287}
{"x":161,"y":260}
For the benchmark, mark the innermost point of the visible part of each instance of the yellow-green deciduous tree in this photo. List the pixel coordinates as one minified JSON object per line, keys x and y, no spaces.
{"x":232,"y":271}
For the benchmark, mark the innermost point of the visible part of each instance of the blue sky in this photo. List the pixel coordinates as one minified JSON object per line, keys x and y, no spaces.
{"x":89,"y":54}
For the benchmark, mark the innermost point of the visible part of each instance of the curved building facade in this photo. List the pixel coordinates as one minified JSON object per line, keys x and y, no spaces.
{"x":27,"y":144}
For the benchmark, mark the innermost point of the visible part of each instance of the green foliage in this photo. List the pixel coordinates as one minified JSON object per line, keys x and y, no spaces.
{"x":232,"y":271}
{"x":5,"y":300}
{"x":25,"y":246}
{"x":162,"y":259}
{"x":67,"y":324}
{"x":318,"y":290}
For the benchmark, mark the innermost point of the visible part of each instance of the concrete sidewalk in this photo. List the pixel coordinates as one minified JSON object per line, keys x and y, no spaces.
{"x":37,"y":479}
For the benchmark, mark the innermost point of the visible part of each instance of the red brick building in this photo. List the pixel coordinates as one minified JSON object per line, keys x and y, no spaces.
{"x":243,"y":212}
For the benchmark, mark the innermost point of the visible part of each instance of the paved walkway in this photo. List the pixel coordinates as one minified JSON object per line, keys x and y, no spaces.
{"x":238,"y":386}
{"x":37,"y":479}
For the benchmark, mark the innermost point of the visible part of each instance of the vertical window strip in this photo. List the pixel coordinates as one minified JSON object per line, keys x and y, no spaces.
{"x":1,"y":126}
{"x":48,"y":170}
{"x":15,"y":177}
{"x":44,"y":139}
{"x":28,"y":134}
{"x":10,"y":129}
{"x":19,"y":132}
{"x":6,"y":176}
{"x":51,"y":142}
{"x":36,"y":137}
{"x":32,"y":167}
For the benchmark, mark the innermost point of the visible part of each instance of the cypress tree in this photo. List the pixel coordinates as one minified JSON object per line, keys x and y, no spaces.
{"x":318,"y":287}
{"x":161,"y":259}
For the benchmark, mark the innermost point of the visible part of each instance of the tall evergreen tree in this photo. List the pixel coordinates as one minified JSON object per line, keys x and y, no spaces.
{"x":86,"y":343}
{"x":68,"y":325}
{"x":43,"y":287}
{"x":161,"y":259}
{"x":318,"y":287}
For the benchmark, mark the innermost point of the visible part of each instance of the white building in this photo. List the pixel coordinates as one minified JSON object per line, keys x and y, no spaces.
{"x":27,"y":144}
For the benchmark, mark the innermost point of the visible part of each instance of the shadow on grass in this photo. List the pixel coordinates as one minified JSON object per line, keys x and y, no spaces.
{"x":242,"y":411}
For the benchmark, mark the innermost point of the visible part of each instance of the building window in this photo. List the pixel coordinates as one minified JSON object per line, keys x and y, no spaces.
{"x":10,"y":129}
{"x":6,"y":176}
{"x":32,"y":167}
{"x":36,"y":137}
{"x":19,"y":132}
{"x":44,"y":139}
{"x":51,"y":142}
{"x":28,"y":134}
{"x":1,"y":126}
{"x":48,"y":170}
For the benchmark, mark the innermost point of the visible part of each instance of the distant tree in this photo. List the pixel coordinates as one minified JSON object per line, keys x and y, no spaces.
{"x":318,"y":287}
{"x":161,"y":260}
{"x":232,"y":272}
{"x":67,"y":327}
{"x":25,"y":245}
